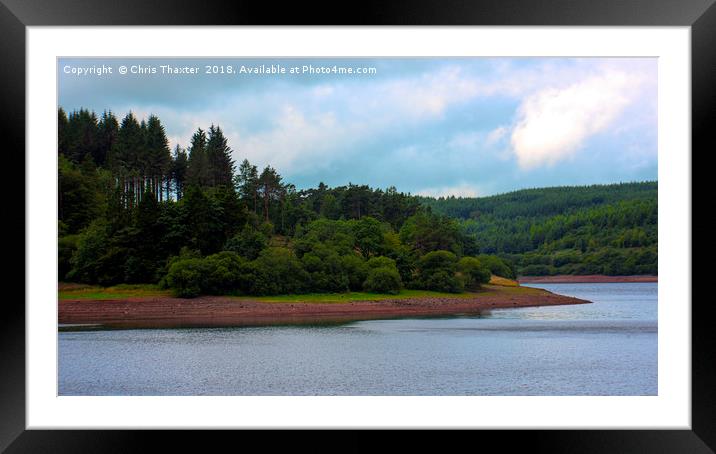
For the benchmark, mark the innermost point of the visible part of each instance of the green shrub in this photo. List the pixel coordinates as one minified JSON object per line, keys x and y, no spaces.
{"x":443,"y":281}
{"x":278,"y":271}
{"x":383,"y":280}
{"x":497,"y":266}
{"x":473,"y":272}
{"x":92,"y":244}
{"x":381,"y":262}
{"x":325,"y":269}
{"x":188,"y":277}
{"x":356,"y":270}
{"x":436,"y":271}
{"x":225,"y":274}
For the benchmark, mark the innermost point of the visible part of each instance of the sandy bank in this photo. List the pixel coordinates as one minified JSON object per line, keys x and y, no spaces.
{"x":156,"y":312}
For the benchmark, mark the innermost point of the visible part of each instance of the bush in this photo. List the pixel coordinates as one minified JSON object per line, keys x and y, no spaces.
{"x":325,"y":268}
{"x":383,"y":280}
{"x":497,"y":266}
{"x":443,"y":281}
{"x":225,"y":274}
{"x":436,"y":272}
{"x":218,"y":274}
{"x":381,"y":262}
{"x":92,"y":244}
{"x":277,"y":271}
{"x":473,"y":272}
{"x":188,"y":277}
{"x":356,"y":270}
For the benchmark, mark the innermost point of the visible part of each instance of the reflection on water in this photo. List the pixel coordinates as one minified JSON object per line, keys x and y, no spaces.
{"x":605,"y":348}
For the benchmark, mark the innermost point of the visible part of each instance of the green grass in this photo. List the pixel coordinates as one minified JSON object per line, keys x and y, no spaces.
{"x":361,"y":296}
{"x":80,"y":292}
{"x":110,"y":293}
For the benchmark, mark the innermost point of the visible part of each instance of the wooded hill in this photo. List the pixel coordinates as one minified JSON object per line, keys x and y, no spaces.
{"x":599,"y":229}
{"x":131,"y":211}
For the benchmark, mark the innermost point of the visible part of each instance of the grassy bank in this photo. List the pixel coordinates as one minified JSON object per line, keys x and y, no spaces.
{"x":87,"y":292}
{"x":69,"y":291}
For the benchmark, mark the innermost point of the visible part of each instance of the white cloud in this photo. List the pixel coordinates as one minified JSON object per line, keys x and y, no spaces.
{"x":297,"y":141}
{"x":553,"y":123}
{"x":430,"y":94}
{"x":461,"y":190}
{"x":300,"y":127}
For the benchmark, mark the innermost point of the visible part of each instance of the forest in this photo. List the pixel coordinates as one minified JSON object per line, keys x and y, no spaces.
{"x":599,"y":229}
{"x":132,"y":210}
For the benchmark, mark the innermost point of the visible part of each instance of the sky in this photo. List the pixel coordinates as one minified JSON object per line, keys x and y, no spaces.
{"x":429,"y":126}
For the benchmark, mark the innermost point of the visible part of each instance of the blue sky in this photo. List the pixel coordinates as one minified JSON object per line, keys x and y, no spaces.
{"x":432,"y":126}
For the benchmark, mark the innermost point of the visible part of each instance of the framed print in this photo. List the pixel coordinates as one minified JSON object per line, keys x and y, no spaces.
{"x":400,"y":225}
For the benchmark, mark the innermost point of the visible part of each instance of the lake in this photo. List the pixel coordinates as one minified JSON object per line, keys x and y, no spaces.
{"x":605,"y":348}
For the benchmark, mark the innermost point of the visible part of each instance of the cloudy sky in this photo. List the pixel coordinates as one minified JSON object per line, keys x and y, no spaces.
{"x":432,"y":126}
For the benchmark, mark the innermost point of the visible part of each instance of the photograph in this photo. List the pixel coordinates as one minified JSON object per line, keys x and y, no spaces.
{"x":357,"y":226}
{"x":436,"y":217}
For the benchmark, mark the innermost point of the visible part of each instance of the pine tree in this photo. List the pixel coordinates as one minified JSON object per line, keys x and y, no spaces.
{"x":124,"y":158}
{"x":62,"y":131}
{"x":179,"y":171}
{"x":197,"y":165}
{"x":158,"y":157}
{"x":271,"y":188}
{"x":81,"y":135}
{"x":247,"y":184}
{"x":107,"y":131}
{"x":221,"y":166}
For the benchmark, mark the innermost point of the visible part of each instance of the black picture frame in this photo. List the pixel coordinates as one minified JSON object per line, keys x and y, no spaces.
{"x":16,"y":15}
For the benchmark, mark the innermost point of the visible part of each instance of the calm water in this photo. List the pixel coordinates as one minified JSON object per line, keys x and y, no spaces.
{"x":605,"y":348}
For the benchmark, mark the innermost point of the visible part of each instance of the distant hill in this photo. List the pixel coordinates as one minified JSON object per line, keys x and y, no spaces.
{"x":598,"y":229}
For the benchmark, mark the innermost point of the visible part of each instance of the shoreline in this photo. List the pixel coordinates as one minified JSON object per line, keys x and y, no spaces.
{"x":585,"y":279}
{"x":226,"y":311}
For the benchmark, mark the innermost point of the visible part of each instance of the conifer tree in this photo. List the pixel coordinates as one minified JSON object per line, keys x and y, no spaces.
{"x":179,"y":171}
{"x":221,"y":165}
{"x":197,"y":164}
{"x":271,"y":188}
{"x":107,"y":131}
{"x":247,"y":183}
{"x":62,"y":131}
{"x":125,"y":156}
{"x":158,"y":156}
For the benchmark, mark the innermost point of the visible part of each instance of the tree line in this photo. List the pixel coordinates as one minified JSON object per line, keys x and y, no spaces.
{"x":599,"y":229}
{"x":132,"y":211}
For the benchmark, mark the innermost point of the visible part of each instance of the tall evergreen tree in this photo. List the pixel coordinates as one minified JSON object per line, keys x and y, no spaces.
{"x":82,"y":135}
{"x":221,"y":165}
{"x":62,"y":132}
{"x":107,"y":132}
{"x":247,"y":183}
{"x":197,"y":164}
{"x":125,"y":156}
{"x":271,"y":188}
{"x":158,"y":157}
{"x":179,"y":171}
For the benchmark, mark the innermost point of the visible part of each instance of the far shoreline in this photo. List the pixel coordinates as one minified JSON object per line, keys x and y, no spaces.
{"x":226,"y":311}
{"x":585,"y":279}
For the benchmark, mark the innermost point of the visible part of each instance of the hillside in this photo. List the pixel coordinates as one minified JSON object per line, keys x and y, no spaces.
{"x":599,"y":229}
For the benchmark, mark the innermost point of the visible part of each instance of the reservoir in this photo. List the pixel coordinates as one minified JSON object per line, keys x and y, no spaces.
{"x":605,"y":348}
